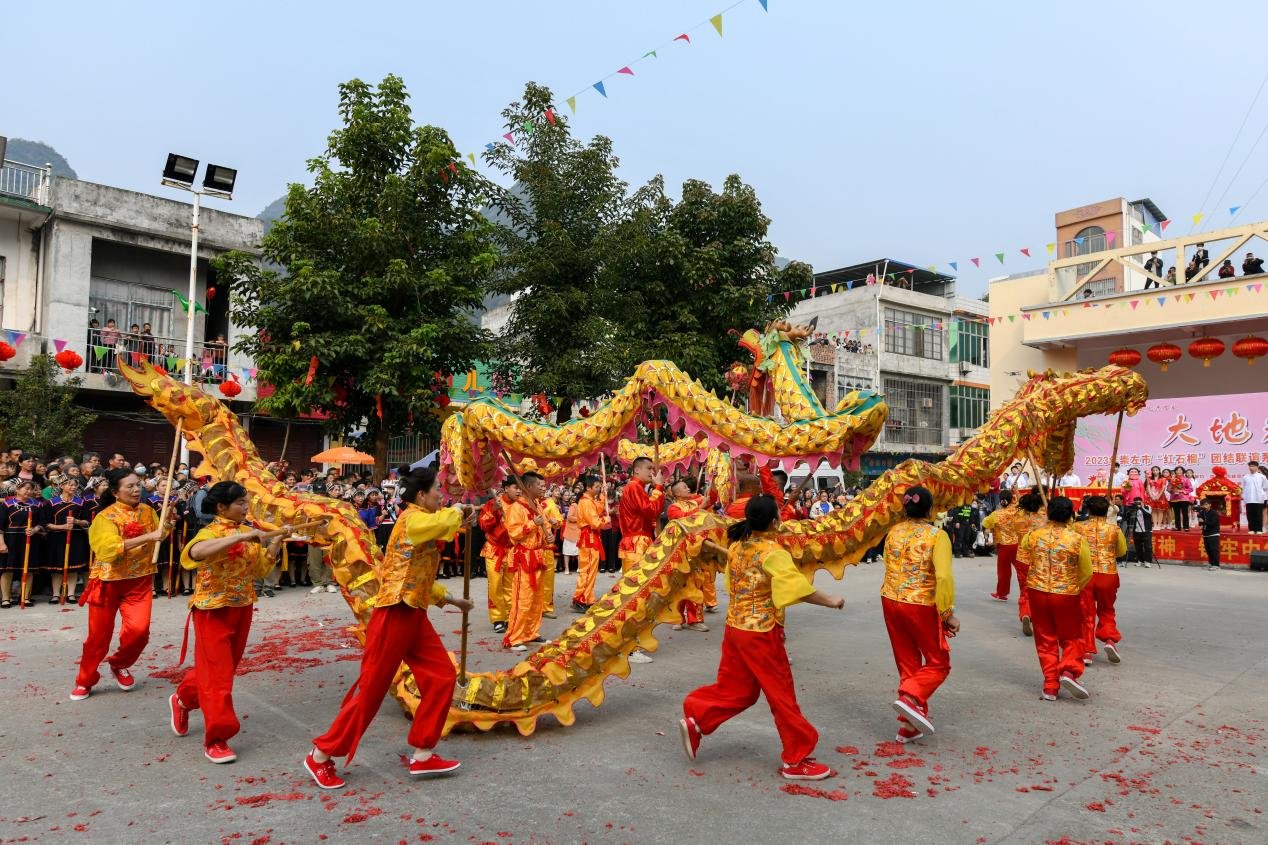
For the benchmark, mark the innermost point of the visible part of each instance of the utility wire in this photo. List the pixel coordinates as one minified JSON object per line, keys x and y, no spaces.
{"x":1236,"y":138}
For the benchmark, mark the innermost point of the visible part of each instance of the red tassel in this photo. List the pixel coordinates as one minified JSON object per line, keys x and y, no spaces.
{"x":378,"y":402}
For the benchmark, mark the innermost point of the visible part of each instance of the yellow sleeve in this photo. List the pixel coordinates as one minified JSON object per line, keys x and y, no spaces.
{"x":1121,"y":545}
{"x":519,"y":524}
{"x":787,"y":584}
{"x":105,"y":539}
{"x":944,"y":587}
{"x":423,"y":527}
{"x":188,"y":562}
{"x":438,"y":594}
{"x":551,"y":511}
{"x":1024,"y":550}
{"x":264,"y":564}
{"x":988,"y":524}
{"x":1085,"y":563}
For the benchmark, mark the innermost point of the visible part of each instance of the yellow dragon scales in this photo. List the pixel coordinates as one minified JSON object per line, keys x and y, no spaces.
{"x":1040,"y":419}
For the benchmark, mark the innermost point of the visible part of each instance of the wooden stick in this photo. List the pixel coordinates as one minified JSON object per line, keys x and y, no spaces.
{"x":655,"y":438}
{"x":1034,"y":467}
{"x":66,"y":559}
{"x":1109,"y":479}
{"x":603,"y":479}
{"x":466,"y":594}
{"x":171,"y":564}
{"x":510,"y":466}
{"x":26,"y":557}
{"x":167,"y":488}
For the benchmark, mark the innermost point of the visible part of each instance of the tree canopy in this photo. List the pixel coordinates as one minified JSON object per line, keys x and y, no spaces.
{"x":40,"y":415}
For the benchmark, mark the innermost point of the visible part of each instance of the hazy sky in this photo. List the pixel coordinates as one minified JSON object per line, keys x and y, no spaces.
{"x":927,"y":132}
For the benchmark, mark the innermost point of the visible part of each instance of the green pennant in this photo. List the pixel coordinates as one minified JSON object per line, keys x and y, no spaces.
{"x":171,"y":361}
{"x":1000,"y":256}
{"x":100,"y":352}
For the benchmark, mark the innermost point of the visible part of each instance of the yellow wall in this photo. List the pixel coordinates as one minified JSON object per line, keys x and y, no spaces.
{"x":1008,"y":353}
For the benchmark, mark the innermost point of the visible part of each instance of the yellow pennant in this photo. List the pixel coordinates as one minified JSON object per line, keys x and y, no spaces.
{"x":716,"y":20}
{"x":572,"y":104}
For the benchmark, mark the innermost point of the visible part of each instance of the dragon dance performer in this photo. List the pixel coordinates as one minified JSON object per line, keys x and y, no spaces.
{"x":918,"y":600}
{"x":1107,"y":544}
{"x":400,"y":631}
{"x":762,"y":580}
{"x":1059,"y":566}
{"x":226,"y":557}
{"x":639,"y":516}
{"x":529,"y":530}
{"x":554,"y":519}
{"x":496,"y":548}
{"x":1026,"y":519}
{"x":66,"y":548}
{"x":1002,"y":523}
{"x":592,"y":518}
{"x":120,"y":580}
{"x":687,"y":503}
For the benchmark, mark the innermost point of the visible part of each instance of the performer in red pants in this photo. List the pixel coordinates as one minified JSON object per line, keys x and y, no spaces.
{"x":122,"y":537}
{"x":1059,"y":566}
{"x":226,"y":558}
{"x":400,"y":631}
{"x":1002,"y":523}
{"x":687,"y":503}
{"x":1107,"y":544}
{"x":918,"y":600}
{"x":1026,"y":519}
{"x":762,"y":580}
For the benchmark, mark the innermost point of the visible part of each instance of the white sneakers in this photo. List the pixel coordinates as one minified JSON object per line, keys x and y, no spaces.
{"x":315,"y":590}
{"x":639,"y":656}
{"x":1111,"y":652}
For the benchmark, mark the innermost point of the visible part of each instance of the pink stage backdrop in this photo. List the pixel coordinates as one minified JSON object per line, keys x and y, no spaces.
{"x":1196,"y":433}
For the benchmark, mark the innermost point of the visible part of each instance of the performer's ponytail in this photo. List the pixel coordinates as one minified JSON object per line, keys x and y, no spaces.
{"x":415,"y":481}
{"x":114,"y":477}
{"x":759,"y":514}
{"x":917,"y":502}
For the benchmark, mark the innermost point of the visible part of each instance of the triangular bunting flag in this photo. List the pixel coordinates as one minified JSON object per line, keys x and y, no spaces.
{"x":172,"y":361}
{"x":1109,"y":238}
{"x":954,"y":265}
{"x":509,"y":137}
{"x":1051,"y":247}
{"x":1079,"y":241}
{"x":684,"y":37}
{"x":59,"y":345}
{"x":1188,"y":297}
{"x":1215,"y":294}
{"x":16,"y":338}
{"x":550,"y":116}
{"x":99,"y":352}
{"x":1258,"y":286}
{"x":1000,"y":256}
{"x":572,"y":104}
{"x":1012,"y":318}
{"x":1145,"y":228}
{"x":651,"y":53}
{"x":527,"y":127}
{"x":1026,"y":317}
{"x":786,"y":295}
{"x":626,"y":70}
{"x":1025,"y":251}
{"x":1197,"y":218}
{"x":598,"y":86}
{"x":488,"y":148}
{"x":472,"y":157}
{"x":716,"y":20}
{"x":1233,"y":210}
{"x":1231,"y":291}
{"x":1163,"y":224}
{"x":977,"y":262}
{"x":1162,"y":300}
{"x":763,"y":2}
{"x":1047,"y":315}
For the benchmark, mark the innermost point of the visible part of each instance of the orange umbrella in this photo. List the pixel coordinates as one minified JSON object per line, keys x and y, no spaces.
{"x":342,"y":455}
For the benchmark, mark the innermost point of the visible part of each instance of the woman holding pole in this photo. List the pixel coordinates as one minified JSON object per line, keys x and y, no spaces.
{"x":22,"y":517}
{"x":66,"y":556}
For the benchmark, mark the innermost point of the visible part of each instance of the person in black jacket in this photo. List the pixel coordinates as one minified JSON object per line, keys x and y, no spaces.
{"x":1252,"y":266}
{"x":1209,"y":520}
{"x":1140,"y":527}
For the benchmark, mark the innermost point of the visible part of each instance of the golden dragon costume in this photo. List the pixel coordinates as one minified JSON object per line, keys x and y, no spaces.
{"x":1040,"y":419}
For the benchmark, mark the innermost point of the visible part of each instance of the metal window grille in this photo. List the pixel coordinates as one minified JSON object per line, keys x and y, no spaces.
{"x":909,"y":333}
{"x":915,"y":412}
{"x":970,"y":406}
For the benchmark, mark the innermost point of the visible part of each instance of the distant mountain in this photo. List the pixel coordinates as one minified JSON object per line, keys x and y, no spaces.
{"x":38,"y":154}
{"x":271,"y":212}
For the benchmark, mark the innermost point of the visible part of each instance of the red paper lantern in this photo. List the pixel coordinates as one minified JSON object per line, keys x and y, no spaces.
{"x":68,"y":360}
{"x":1251,"y":348}
{"x":1206,"y":348}
{"x":6,"y":351}
{"x":1164,"y":354}
{"x":230,"y":388}
{"x":1124,"y":357}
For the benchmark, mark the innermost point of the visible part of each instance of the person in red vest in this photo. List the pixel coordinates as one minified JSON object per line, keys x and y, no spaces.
{"x":638,"y":515}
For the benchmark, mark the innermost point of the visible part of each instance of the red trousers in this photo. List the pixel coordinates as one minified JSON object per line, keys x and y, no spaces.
{"x":1099,"y":622}
{"x":1023,"y":592}
{"x":396,"y":633}
{"x":1058,"y":622}
{"x":220,"y":637}
{"x":920,"y":648}
{"x":131,"y":598}
{"x":754,"y":662}
{"x":1005,"y":557}
{"x":691,"y":613}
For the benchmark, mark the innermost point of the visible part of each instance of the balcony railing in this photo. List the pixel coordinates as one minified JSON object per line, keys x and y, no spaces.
{"x":106,"y":347}
{"x":25,"y":181}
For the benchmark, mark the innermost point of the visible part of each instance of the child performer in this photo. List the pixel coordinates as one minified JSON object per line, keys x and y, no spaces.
{"x":497,"y":546}
{"x":1209,"y":523}
{"x":1107,"y":544}
{"x":226,"y":557}
{"x":64,"y":550}
{"x":592,"y":518}
{"x":1027,"y":519}
{"x":121,"y":580}
{"x":918,"y":600}
{"x":400,"y":631}
{"x":529,"y":531}
{"x":1059,"y":566}
{"x":1001,"y":523}
{"x":762,"y":581}
{"x":686,"y":503}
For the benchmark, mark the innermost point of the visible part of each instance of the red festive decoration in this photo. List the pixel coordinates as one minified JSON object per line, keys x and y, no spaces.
{"x":1164,"y":354}
{"x":1206,"y":348}
{"x":737,"y":377}
{"x":1251,"y":348}
{"x":230,"y":388}
{"x":68,"y":360}
{"x":6,"y":351}
{"x":132,"y":530}
{"x":584,"y":411}
{"x":1124,"y":357}
{"x":442,"y":400}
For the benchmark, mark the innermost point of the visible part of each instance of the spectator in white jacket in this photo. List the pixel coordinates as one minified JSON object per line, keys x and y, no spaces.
{"x":1254,"y":494}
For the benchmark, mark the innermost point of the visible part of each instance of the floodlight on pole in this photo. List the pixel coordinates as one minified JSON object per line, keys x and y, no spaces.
{"x":219,"y":181}
{"x":180,"y":171}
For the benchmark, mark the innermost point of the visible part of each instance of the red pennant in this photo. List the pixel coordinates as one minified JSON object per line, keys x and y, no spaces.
{"x":1163,"y":224}
{"x":312,"y":371}
{"x":550,"y":116}
{"x":684,"y":37}
{"x":453,"y":167}
{"x":626,"y":70}
{"x":977,"y":262}
{"x":509,"y":138}
{"x":1025,"y":251}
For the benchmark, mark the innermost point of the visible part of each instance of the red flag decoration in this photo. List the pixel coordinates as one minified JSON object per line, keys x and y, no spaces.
{"x":1109,"y":238}
{"x":509,"y":138}
{"x":1162,"y":224}
{"x":977,"y":262}
{"x":626,"y":70}
{"x":453,"y":167}
{"x":684,"y":37}
{"x":312,"y":371}
{"x":550,"y":116}
{"x":59,"y":345}
{"x":378,"y":405}
{"x":1025,"y":251}
{"x":786,"y":295}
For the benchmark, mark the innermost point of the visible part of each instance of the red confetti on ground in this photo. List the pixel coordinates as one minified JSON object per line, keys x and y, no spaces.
{"x":1096,"y":806}
{"x":889,"y":749}
{"x":847,"y":749}
{"x":263,"y":840}
{"x":894,"y":786}
{"x":355,"y":818}
{"x":1144,"y":730}
{"x":798,"y":789}
{"x":693,"y":772}
{"x":905,"y":763}
{"x":278,"y":651}
{"x":265,"y":798}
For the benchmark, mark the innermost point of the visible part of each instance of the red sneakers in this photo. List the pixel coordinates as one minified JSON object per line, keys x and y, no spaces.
{"x":323,"y":773}
{"x":916,"y":716}
{"x":80,"y":692}
{"x":123,"y":678}
{"x":433,"y":765}
{"x":690,"y":733}
{"x":907,"y":734}
{"x":807,"y":769}
{"x":998,"y":597}
{"x":180,"y":716}
{"x":220,"y":752}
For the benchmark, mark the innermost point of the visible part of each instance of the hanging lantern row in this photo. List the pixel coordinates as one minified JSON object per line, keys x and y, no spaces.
{"x":1164,"y":353}
{"x":68,"y":360}
{"x":1124,"y":357}
{"x":1204,"y":349}
{"x":1251,"y":348}
{"x":6,"y":351}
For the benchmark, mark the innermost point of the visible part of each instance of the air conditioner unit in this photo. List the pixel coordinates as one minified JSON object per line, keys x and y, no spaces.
{"x":964,"y":368}
{"x":923,"y":424}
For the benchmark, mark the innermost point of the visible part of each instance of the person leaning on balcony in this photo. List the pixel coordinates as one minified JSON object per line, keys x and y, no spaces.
{"x":1201,"y":258}
{"x":1171,"y":276}
{"x":1227,"y":270}
{"x":1252,"y":266}
{"x":1153,"y":265}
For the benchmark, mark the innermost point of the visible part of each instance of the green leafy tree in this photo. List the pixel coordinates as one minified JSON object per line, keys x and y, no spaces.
{"x":553,"y":228}
{"x":384,"y":263}
{"x":40,"y":415}
{"x":691,"y":271}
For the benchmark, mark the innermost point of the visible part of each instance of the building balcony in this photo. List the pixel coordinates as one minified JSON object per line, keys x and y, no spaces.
{"x":25,"y":182}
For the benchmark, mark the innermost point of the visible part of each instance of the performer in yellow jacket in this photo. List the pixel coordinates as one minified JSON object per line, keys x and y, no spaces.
{"x":1001,"y":522}
{"x":226,"y":557}
{"x":592,"y":518}
{"x":554,"y":519}
{"x":762,"y":580}
{"x":1059,"y":566}
{"x":400,"y":631}
{"x":528,"y":530}
{"x":1107,"y":544}
{"x":918,"y":600}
